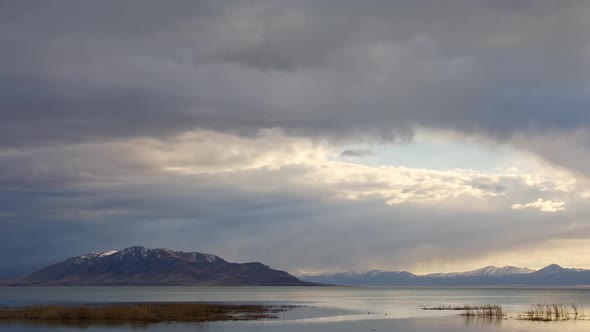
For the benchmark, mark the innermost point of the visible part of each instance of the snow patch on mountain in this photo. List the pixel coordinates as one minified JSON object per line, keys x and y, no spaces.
{"x":92,"y":255}
{"x":107,"y":253}
{"x":210,"y":258}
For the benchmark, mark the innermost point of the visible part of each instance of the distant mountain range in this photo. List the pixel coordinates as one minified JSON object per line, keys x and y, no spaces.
{"x":552,"y":275}
{"x":141,"y":266}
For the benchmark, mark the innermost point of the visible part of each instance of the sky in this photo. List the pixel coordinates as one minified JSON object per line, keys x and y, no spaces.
{"x":313,"y":136}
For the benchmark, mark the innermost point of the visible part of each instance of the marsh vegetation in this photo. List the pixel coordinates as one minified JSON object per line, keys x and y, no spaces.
{"x":485,"y":311}
{"x":194,"y":312}
{"x":537,"y":312}
{"x":553,"y":312}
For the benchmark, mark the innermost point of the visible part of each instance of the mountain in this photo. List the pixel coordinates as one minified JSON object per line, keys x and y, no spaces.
{"x":552,"y":275}
{"x":484,"y":271}
{"x":551,"y":269}
{"x":141,"y":266}
{"x":370,"y":278}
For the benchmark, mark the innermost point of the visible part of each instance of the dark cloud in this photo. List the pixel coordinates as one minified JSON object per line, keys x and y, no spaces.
{"x":356,"y":153}
{"x":97,"y":71}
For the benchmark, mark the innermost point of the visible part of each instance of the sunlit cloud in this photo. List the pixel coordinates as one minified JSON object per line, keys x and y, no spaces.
{"x":542,"y":205}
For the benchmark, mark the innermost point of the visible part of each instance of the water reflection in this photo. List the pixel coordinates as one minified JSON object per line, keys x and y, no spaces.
{"x":479,"y":322}
{"x":443,"y":324}
{"x":73,"y":324}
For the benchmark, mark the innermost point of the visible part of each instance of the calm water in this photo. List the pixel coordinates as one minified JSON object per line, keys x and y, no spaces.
{"x":321,"y":308}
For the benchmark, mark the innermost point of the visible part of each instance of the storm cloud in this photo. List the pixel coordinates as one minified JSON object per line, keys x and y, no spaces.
{"x":211,"y":125}
{"x":102,"y":70}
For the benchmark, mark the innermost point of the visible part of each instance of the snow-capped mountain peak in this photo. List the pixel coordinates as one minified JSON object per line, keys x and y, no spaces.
{"x":139,"y":253}
{"x":92,"y":255}
{"x":491,"y":271}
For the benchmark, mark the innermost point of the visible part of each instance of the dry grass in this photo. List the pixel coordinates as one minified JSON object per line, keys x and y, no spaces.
{"x":196,"y":312}
{"x":553,"y":312}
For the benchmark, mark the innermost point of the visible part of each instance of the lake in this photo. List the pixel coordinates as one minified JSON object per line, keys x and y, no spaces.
{"x":319,"y":308}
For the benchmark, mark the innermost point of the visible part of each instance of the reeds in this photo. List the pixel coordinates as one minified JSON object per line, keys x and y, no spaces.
{"x":447,"y":307}
{"x":537,"y":312}
{"x":142,"y":312}
{"x":553,"y":312}
{"x":486,"y":310}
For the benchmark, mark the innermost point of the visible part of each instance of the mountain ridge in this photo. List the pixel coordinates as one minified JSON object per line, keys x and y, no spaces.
{"x":490,"y":270}
{"x":551,"y":275}
{"x":138,"y":265}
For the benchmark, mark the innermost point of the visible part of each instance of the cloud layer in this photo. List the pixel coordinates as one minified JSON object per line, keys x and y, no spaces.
{"x":232,"y":120}
{"x":288,"y":201}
